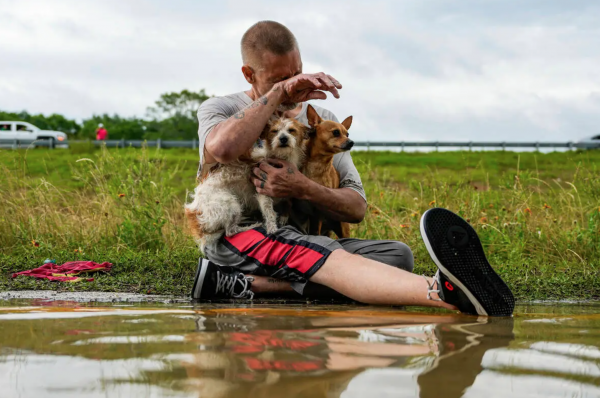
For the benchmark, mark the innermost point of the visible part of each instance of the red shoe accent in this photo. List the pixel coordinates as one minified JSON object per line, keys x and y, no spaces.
{"x":449,"y":286}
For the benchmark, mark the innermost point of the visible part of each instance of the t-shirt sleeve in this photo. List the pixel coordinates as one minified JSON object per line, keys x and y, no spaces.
{"x":210,"y":113}
{"x":349,"y":177}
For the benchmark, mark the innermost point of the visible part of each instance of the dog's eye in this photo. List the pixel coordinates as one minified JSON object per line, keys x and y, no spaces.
{"x":274,"y":131}
{"x":292,"y":131}
{"x":336,"y":133}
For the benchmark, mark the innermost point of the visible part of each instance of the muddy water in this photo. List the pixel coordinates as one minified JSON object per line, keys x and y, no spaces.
{"x":68,"y":349}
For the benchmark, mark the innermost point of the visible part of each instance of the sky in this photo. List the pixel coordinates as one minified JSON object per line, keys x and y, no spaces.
{"x":411,"y":69}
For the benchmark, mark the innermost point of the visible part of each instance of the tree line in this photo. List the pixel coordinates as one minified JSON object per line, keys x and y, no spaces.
{"x":173,"y":117}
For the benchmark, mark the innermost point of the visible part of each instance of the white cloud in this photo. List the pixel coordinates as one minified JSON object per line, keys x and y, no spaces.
{"x":411,"y":70}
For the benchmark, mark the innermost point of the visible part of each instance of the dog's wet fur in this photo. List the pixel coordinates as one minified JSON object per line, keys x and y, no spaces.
{"x":326,"y":139}
{"x":227,"y":193}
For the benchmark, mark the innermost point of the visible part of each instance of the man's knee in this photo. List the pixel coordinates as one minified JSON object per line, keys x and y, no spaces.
{"x":402,"y":256}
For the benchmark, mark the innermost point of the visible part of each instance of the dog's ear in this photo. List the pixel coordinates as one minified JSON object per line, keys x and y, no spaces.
{"x":310,"y":133}
{"x":313,"y":116}
{"x":347,"y":122}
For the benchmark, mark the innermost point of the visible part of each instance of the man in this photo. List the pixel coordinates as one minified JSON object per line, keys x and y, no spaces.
{"x":374,"y":272}
{"x":101,"y":133}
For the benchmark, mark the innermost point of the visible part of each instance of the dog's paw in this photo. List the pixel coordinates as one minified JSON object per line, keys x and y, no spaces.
{"x":271,"y":227}
{"x":237,"y":229}
{"x":283,"y":220}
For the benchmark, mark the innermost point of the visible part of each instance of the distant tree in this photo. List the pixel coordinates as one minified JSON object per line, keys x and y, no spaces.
{"x":117,"y":127}
{"x":184,"y":103}
{"x":174,"y":115}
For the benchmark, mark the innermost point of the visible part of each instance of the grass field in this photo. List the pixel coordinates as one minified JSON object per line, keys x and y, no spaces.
{"x":538,"y":215}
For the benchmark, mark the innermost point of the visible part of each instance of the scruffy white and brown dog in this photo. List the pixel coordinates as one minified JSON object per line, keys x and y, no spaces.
{"x":227,"y":193}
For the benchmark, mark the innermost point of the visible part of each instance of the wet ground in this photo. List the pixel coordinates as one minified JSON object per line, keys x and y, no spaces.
{"x":51,"y":348}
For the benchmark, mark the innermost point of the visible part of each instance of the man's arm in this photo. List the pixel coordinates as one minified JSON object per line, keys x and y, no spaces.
{"x":281,"y":179}
{"x":340,"y":204}
{"x":232,"y":137}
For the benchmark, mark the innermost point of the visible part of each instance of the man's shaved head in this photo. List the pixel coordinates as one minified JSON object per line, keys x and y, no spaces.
{"x":266,"y":36}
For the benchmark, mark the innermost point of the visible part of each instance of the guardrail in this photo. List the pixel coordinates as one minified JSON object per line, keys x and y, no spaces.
{"x":391,"y":144}
{"x":16,"y":143}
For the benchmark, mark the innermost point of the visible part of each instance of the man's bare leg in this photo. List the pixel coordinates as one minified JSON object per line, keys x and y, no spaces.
{"x":268,"y":285}
{"x":372,"y":282}
{"x":363,"y":280}
{"x":264,"y":286}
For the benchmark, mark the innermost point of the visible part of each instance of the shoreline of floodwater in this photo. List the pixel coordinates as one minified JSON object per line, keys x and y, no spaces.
{"x":114,"y":297}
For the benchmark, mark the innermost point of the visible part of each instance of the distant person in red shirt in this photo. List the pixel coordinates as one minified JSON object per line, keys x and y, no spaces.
{"x":101,"y":133}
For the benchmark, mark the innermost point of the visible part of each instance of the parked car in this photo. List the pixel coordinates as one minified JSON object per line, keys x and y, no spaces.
{"x":27,"y":131}
{"x":593,"y":141}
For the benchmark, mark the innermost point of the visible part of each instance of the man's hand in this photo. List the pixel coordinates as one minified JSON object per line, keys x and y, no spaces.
{"x":279,"y":179}
{"x":305,"y":87}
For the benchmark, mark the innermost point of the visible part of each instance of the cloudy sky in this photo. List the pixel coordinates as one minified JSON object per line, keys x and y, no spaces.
{"x":411,"y":69}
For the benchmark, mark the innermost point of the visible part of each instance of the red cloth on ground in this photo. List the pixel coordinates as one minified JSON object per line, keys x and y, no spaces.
{"x":65,"y":272}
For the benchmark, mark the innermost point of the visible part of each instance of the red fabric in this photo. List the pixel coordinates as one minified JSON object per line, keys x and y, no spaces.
{"x":302,"y":258}
{"x":65,"y":272}
{"x":245,"y":240}
{"x":101,"y":133}
{"x":270,"y":252}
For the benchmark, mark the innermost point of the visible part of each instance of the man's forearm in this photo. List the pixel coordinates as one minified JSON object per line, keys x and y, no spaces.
{"x":233,"y":137}
{"x":341,"y":204}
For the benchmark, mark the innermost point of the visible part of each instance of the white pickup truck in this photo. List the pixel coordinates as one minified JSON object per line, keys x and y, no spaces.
{"x":27,"y":131}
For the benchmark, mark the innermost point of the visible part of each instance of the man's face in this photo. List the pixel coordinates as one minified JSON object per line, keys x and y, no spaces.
{"x":274,"y":69}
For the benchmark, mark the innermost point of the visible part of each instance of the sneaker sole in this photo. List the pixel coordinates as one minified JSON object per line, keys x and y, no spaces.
{"x":457,"y":251}
{"x":199,"y":279}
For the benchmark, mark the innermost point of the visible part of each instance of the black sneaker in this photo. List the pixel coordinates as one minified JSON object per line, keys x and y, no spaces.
{"x":465,"y":277}
{"x":214,"y":282}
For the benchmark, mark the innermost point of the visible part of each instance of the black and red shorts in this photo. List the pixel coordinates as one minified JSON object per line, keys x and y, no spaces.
{"x":286,"y":254}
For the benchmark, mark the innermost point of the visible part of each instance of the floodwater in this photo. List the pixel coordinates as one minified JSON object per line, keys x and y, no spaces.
{"x":69,"y":349}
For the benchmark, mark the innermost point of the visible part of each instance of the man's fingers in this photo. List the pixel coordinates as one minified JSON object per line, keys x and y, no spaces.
{"x":304,"y":79}
{"x":320,"y":95}
{"x":258,"y":183}
{"x":264,"y":166}
{"x":317,"y":83}
{"x":326,"y":81}
{"x":335,"y":82}
{"x":258,"y":173}
{"x":260,"y":186}
{"x":334,"y":91}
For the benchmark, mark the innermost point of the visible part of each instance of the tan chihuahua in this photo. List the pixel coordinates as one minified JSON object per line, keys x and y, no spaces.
{"x":326,"y":138}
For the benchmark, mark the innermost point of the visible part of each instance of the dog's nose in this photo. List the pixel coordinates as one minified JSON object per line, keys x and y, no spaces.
{"x":348,"y":145}
{"x":283,"y":140}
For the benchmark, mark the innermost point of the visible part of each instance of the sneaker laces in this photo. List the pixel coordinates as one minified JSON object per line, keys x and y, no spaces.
{"x":430,"y":289}
{"x":226,"y":284}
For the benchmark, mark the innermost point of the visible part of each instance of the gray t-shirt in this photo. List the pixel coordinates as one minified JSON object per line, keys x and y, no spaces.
{"x":218,"y":109}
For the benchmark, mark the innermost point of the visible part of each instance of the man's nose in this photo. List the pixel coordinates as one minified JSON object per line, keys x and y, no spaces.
{"x":283,"y":139}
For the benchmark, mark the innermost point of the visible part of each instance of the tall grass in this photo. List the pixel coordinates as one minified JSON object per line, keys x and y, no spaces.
{"x":542,"y":235}
{"x":540,"y":226}
{"x":122,"y":203}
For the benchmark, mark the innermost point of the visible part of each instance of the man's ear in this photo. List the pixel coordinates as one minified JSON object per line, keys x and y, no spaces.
{"x":347,"y":122}
{"x":248,"y":74}
{"x":313,"y":116}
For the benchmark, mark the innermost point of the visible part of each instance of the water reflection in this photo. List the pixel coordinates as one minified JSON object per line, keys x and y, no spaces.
{"x":218,"y":351}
